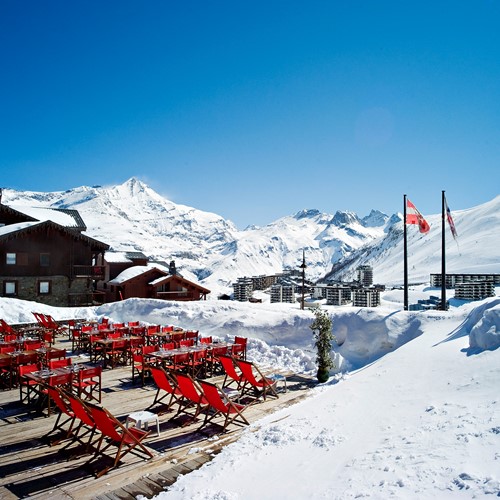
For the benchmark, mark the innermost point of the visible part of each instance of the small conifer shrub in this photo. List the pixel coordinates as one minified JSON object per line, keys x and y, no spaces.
{"x":323,"y":337}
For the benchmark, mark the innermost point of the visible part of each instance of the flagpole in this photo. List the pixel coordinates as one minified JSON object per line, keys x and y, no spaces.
{"x":405,"y":257}
{"x":443,"y":252}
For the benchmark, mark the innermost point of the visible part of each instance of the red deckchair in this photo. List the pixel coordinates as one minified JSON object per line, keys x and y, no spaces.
{"x":221,"y":405}
{"x":259,"y":383}
{"x":5,"y":328}
{"x":65,"y":410}
{"x":53,"y":325}
{"x":164,"y":383}
{"x":82,"y":413}
{"x":232,"y":375}
{"x":126,"y":440}
{"x":192,"y":395}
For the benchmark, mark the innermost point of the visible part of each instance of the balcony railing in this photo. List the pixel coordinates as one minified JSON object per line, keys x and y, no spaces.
{"x":175,"y":295}
{"x":94,"y":272}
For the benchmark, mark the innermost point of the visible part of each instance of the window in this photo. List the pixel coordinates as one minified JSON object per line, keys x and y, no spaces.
{"x":44,"y":287}
{"x":21,"y":259}
{"x":10,"y":288}
{"x":45,"y":259}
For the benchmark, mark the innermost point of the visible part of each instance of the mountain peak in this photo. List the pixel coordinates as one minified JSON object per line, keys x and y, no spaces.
{"x":135,"y":185}
{"x":375,"y":218}
{"x":307,"y":213}
{"x":345,"y":218}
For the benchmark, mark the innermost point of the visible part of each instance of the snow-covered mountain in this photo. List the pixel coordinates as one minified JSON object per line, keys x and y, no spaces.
{"x":210,"y":249}
{"x":204,"y":245}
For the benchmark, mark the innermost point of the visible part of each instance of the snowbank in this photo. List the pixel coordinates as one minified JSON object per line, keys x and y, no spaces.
{"x":485,"y":334}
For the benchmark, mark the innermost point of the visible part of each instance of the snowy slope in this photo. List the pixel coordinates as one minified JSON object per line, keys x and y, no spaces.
{"x":422,"y":422}
{"x":476,"y":249}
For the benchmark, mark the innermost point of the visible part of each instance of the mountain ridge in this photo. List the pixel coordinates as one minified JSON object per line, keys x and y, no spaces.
{"x":210,"y":249}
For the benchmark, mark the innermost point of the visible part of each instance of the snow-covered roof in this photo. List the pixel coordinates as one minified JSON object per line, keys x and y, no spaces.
{"x":21,"y":226}
{"x":117,"y":257}
{"x":12,"y":228}
{"x":158,"y":280}
{"x":134,"y":271}
{"x":63,"y":217}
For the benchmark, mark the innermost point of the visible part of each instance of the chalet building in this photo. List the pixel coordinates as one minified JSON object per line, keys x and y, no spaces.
{"x":45,"y":257}
{"x":175,"y":287}
{"x":115,"y":263}
{"x":131,"y":274}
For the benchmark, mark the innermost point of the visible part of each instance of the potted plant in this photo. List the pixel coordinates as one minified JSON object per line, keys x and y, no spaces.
{"x":323,"y":337}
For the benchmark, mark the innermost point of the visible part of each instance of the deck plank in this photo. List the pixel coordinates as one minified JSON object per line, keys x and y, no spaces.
{"x":31,"y":468}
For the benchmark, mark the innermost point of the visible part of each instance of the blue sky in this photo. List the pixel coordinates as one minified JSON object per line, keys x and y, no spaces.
{"x":255,"y":110}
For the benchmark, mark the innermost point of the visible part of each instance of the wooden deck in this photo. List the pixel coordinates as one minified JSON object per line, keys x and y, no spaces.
{"x":30,"y":468}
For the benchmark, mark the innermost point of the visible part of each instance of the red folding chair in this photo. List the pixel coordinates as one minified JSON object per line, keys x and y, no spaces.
{"x":135,"y":346}
{"x":96,"y":348}
{"x":259,"y":384}
{"x":117,"y":353}
{"x":59,"y":380}
{"x":6,"y":371}
{"x":231,"y":375}
{"x":214,"y":365}
{"x":24,"y":358}
{"x":82,"y":413}
{"x":167,"y":346}
{"x":65,"y":410}
{"x":140,"y":364}
{"x":180,"y":362}
{"x":59,"y":363}
{"x":52,"y":354}
{"x":31,"y":345}
{"x":87,"y":383}
{"x":167,"y":385}
{"x":26,"y":385}
{"x":125,"y":440}
{"x":198,"y":363}
{"x":192,"y":335}
{"x":192,"y":395}
{"x":239,"y":348}
{"x":151,"y":333}
{"x":6,"y":329}
{"x":220,"y":404}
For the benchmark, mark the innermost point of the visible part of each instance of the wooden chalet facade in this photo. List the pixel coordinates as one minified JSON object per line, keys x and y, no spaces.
{"x":47,"y":261}
{"x":142,"y":279}
{"x":175,"y":287}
